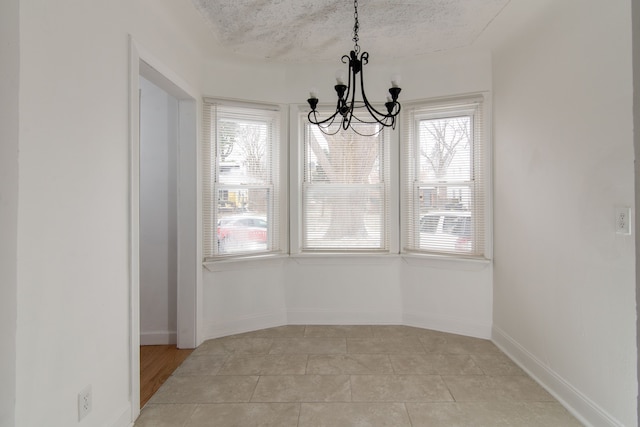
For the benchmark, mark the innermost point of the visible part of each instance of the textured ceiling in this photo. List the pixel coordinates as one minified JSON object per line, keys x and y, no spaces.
{"x":321,"y":30}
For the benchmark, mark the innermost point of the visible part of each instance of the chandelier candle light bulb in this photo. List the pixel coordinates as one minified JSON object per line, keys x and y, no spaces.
{"x":347,"y":107}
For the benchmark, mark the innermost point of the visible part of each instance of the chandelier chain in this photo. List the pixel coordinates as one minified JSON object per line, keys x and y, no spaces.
{"x":356,"y":27}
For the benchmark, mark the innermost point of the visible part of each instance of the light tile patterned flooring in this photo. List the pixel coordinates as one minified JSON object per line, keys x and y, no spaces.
{"x":351,"y":376}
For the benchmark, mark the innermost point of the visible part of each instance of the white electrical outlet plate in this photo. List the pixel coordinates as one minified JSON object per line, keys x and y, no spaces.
{"x":623,"y":220}
{"x":84,"y":402}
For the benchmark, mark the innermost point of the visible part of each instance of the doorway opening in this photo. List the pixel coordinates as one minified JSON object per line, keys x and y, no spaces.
{"x":159,"y":124}
{"x":164,"y":220}
{"x":158,"y":215}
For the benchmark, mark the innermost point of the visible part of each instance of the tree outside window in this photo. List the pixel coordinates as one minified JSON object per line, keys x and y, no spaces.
{"x":344,"y":191}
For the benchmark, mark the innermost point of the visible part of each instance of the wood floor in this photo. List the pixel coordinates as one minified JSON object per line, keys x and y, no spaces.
{"x":157,"y":363}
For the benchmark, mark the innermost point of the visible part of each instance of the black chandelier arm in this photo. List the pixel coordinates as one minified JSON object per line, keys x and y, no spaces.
{"x":364,"y":58}
{"x":355,"y":66}
{"x":347,"y":60}
{"x":323,"y":129}
{"x":367,"y":122}
{"x":374,"y":113}
{"x":383,"y":119}
{"x":372,"y":110}
{"x":315,"y":120}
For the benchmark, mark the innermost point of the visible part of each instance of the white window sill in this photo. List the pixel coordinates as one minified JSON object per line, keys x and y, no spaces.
{"x":331,"y":258}
{"x":244,"y":262}
{"x":445,"y":262}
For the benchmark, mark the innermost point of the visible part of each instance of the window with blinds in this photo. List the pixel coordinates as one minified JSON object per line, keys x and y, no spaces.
{"x":241,"y":180}
{"x":443,"y":178}
{"x":344,"y":190}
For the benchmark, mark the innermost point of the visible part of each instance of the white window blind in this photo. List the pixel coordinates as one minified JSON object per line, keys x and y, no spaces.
{"x":241,"y":180}
{"x":443,"y":178}
{"x":344,"y":190}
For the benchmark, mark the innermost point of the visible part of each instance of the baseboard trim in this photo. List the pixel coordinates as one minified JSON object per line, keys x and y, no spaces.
{"x":331,"y":317}
{"x":583,"y":408}
{"x":124,"y":419}
{"x":451,"y":324}
{"x":158,"y":338}
{"x":244,"y":324}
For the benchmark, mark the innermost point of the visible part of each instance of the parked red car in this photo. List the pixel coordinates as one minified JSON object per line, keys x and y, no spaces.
{"x":241,"y":232}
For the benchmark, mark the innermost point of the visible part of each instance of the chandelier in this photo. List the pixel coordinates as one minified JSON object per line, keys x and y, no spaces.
{"x":347,"y":105}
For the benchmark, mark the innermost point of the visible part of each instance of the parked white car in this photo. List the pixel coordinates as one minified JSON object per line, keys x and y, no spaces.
{"x":446,"y":231}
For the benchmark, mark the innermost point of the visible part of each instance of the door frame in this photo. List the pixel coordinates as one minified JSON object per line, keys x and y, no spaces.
{"x":141,"y":63}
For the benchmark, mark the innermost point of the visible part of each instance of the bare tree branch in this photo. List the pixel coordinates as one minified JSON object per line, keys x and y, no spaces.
{"x":447,"y":136}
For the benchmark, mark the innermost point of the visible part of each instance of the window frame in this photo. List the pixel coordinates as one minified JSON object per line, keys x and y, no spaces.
{"x":277,"y":244}
{"x":298,"y":121}
{"x":481,"y":156}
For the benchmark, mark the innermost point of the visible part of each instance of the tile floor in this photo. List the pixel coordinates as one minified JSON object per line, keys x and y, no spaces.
{"x":350,"y":376}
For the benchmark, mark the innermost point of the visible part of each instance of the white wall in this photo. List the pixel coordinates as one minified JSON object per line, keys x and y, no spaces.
{"x":448,"y":296}
{"x":564,"y":288}
{"x":72,"y":249}
{"x":344,"y":291}
{"x":73,"y":236}
{"x":9,"y":84}
{"x":445,"y":74}
{"x":635,"y":13}
{"x":243,"y":296}
{"x":158,"y":215}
